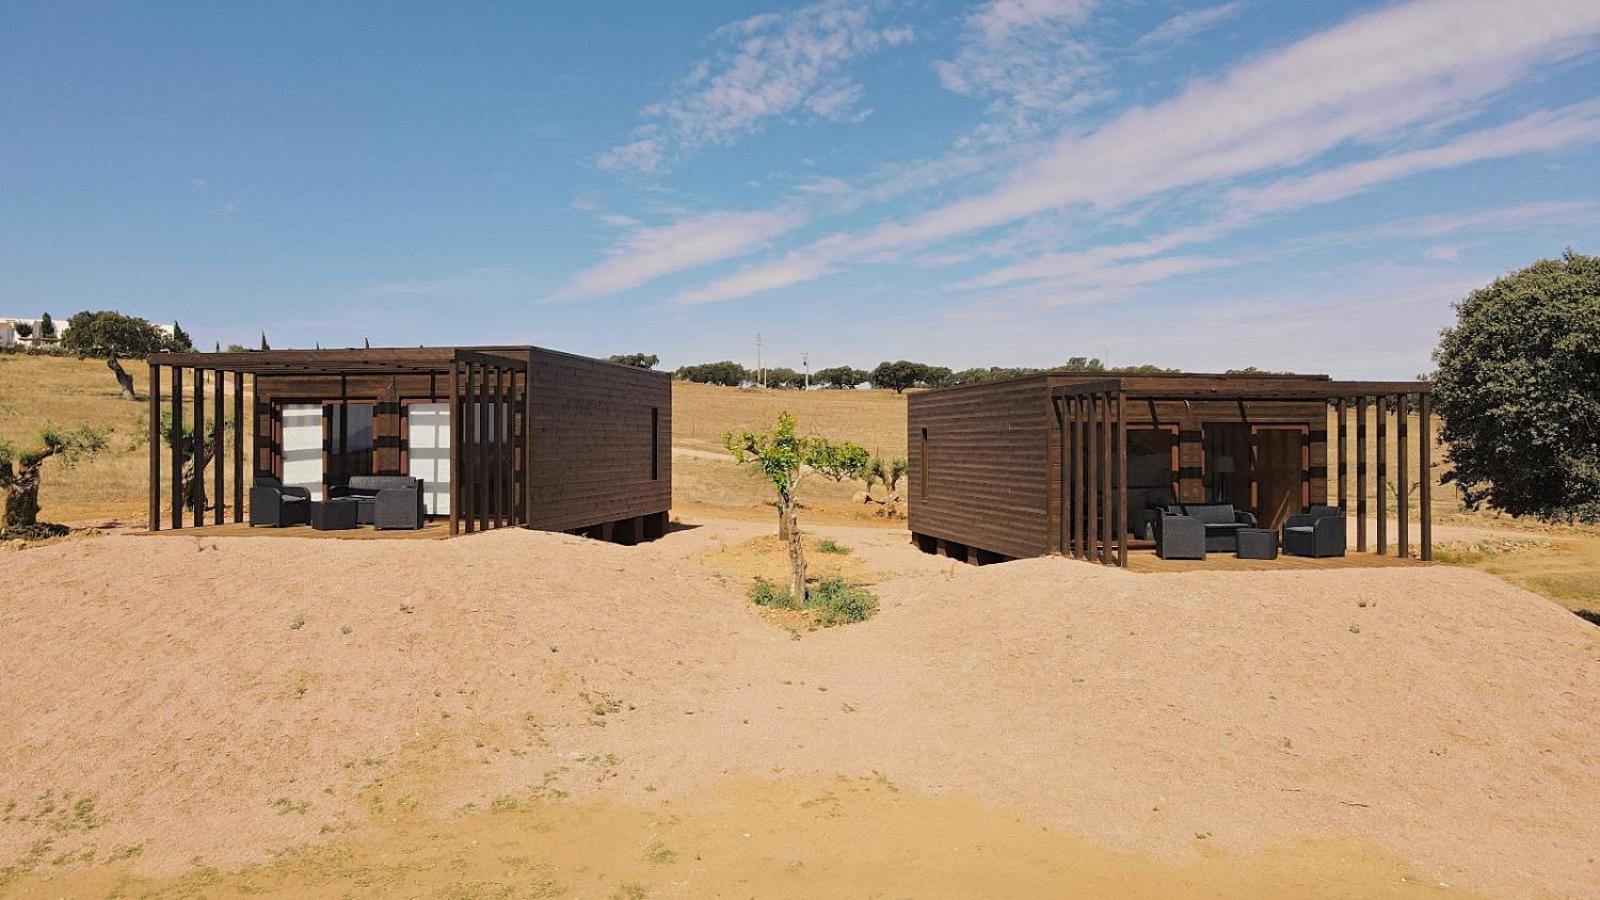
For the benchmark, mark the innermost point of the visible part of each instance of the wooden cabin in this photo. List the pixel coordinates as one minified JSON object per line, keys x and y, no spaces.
{"x":1074,"y":464}
{"x":500,"y":436}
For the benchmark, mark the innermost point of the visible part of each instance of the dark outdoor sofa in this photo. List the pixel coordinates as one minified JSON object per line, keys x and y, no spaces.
{"x":1179,"y":537}
{"x":385,"y":501}
{"x":1318,"y":532}
{"x":1220,"y":523}
{"x":272,"y":505}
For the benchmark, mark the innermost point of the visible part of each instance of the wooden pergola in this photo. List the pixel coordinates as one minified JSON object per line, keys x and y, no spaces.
{"x":1093,"y":419}
{"x":489,"y":392}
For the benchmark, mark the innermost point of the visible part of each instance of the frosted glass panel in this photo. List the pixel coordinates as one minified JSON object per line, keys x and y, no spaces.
{"x":302,"y":446}
{"x":429,"y":452}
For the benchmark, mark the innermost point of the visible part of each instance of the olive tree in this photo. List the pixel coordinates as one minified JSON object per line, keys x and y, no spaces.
{"x":785,"y":457}
{"x":20,"y":472}
{"x":113,"y":337}
{"x":1518,"y":391}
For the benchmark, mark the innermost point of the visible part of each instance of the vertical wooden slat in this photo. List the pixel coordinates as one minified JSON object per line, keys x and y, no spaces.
{"x":176,"y":434}
{"x":1402,"y":475}
{"x":1361,"y":474}
{"x":1091,"y":524}
{"x":340,"y":476}
{"x":528,"y":461}
{"x":1425,"y":472}
{"x":1075,"y":492}
{"x":455,"y":448}
{"x":1108,"y":512}
{"x":197,"y":495}
{"x":1122,"y":479}
{"x":155,"y":447}
{"x":1063,"y":500}
{"x":1343,"y":469}
{"x":469,"y":449}
{"x":497,"y":448}
{"x":484,"y":442}
{"x":508,"y":469}
{"x":1383,"y":473}
{"x":238,"y":447}
{"x":217,"y":458}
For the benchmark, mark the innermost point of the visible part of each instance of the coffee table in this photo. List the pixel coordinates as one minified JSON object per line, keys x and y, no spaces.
{"x":333,"y":515}
{"x":1257,"y":543}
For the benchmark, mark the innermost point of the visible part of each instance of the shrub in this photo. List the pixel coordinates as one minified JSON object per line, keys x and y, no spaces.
{"x":829,"y":545}
{"x":837,"y":602}
{"x":765,"y":593}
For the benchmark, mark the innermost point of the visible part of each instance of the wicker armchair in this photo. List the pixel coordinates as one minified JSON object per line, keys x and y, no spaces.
{"x":272,"y":505}
{"x":1320,"y":532}
{"x":1180,"y":537}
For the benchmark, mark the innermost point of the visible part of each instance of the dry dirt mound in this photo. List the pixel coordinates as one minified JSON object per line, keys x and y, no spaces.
{"x":222,"y":698}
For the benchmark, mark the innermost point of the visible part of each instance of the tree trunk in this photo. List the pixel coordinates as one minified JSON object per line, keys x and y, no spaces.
{"x":123,"y":378}
{"x":783,"y":523}
{"x":194,"y":483}
{"x":797,"y":557}
{"x":22,"y":496}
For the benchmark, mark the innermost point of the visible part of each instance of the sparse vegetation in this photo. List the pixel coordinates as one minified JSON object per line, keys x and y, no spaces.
{"x":21,"y":471}
{"x":834,"y":601}
{"x":829,"y":545}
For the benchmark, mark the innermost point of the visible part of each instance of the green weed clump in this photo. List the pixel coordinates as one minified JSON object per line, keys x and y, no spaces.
{"x":837,"y":602}
{"x":765,"y":593}
{"x":829,"y":545}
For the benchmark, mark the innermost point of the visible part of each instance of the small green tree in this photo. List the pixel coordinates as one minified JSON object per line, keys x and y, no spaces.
{"x":47,"y":327}
{"x":727,"y":373}
{"x":195,"y":451}
{"x":841,"y":376}
{"x":636,"y":360}
{"x":112,"y":336}
{"x":1518,"y":391}
{"x":20,"y":472}
{"x":180,"y":338}
{"x":785,"y":457}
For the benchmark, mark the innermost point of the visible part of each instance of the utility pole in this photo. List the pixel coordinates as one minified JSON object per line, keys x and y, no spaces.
{"x":805,"y":364}
{"x":761,"y":372}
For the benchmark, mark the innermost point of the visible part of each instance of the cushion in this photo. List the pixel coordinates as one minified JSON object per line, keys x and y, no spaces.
{"x":1306,"y":529}
{"x":1212,"y":513}
{"x":377,"y":483}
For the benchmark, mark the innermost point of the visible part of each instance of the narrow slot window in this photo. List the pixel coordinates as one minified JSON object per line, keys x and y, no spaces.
{"x":922,"y":465}
{"x":655,"y":443}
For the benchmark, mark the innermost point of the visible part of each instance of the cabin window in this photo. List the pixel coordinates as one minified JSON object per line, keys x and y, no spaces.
{"x":922,"y":465}
{"x":655,"y":443}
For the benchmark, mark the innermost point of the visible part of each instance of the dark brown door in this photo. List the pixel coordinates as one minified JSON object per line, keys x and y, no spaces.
{"x":1279,"y":469}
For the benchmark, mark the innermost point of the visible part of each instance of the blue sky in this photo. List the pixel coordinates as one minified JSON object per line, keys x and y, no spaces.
{"x":1302,"y":186}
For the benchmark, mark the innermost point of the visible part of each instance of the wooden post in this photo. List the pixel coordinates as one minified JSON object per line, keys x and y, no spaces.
{"x":1361,"y":474}
{"x":508,"y":471}
{"x":1402,"y":476}
{"x":1108,"y":513}
{"x":1344,"y":453}
{"x":155,"y":448}
{"x":197,"y":502}
{"x":1383,"y":475}
{"x":1075,"y":494}
{"x":455,"y":448}
{"x":1425,"y":461}
{"x":499,"y":450}
{"x":217,"y":483}
{"x":1122,"y":479}
{"x":1063,"y":538}
{"x":238,"y":447}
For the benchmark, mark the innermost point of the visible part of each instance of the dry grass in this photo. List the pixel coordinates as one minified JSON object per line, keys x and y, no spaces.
{"x":874,"y":419}
{"x":112,"y":486}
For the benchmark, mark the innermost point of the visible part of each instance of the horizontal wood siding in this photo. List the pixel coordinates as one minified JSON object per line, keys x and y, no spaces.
{"x":591,"y":439}
{"x":986,"y":460}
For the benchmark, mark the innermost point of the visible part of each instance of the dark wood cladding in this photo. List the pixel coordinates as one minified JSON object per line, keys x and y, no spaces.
{"x":979,"y":475}
{"x":539,"y":438}
{"x":986,"y":466}
{"x":593,"y":456}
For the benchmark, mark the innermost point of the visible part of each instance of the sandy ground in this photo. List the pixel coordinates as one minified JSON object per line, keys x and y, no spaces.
{"x":171,"y":699}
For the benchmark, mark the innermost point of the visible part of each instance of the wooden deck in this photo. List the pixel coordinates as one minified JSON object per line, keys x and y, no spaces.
{"x":1146,"y":561}
{"x":434,"y":530}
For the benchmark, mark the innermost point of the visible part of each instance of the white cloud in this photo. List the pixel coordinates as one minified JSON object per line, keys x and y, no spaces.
{"x":1367,"y":79}
{"x":1025,"y":58}
{"x":1374,"y":77}
{"x":645,"y":254}
{"x":792,"y":269}
{"x":766,"y":66}
{"x":1442,"y":253}
{"x":1185,"y":24}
